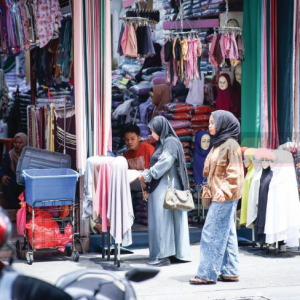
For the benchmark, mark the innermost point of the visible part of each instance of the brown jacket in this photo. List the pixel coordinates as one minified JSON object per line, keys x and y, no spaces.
{"x":224,"y":169}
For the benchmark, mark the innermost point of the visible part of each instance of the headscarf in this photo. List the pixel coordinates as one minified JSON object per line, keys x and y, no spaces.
{"x":227,"y":127}
{"x":161,"y":96}
{"x":168,"y":141}
{"x":227,"y":99}
{"x":14,"y":156}
{"x":199,"y":157}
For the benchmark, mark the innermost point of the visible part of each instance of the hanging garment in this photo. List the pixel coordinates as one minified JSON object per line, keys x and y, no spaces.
{"x":100,"y":203}
{"x":246,"y":190}
{"x":283,"y":210}
{"x":251,"y":74}
{"x":253,"y":195}
{"x":260,"y":222}
{"x":47,"y":14}
{"x":131,"y":45}
{"x":233,"y":52}
{"x":120,"y":50}
{"x":211,"y":52}
{"x":196,"y":92}
{"x":120,"y":211}
{"x":125,"y":39}
{"x":142,"y":40}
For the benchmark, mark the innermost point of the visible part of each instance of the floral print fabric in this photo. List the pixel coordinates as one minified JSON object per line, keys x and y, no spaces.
{"x":47,"y":13}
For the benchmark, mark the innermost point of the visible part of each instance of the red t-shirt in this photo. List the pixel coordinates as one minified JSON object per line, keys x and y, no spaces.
{"x":140,"y":158}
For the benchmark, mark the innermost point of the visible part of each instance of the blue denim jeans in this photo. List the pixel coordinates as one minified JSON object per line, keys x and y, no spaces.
{"x":219,"y":246}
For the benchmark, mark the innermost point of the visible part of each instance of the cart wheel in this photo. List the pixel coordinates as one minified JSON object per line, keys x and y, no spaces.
{"x":19,"y":249}
{"x":69,"y":251}
{"x":76,"y":256}
{"x":29,"y":257}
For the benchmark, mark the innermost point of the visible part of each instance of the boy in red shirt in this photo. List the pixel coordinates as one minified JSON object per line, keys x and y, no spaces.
{"x":138,"y":154}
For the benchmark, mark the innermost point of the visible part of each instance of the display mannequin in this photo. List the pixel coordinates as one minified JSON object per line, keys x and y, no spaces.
{"x":202,"y":148}
{"x":227,"y":98}
{"x":237,"y":86}
{"x":248,"y":162}
{"x":266,"y":157}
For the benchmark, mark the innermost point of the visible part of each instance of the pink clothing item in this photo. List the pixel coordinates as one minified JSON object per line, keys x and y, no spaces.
{"x":190,"y":61}
{"x":131,"y":46}
{"x":211,"y":52}
{"x":233,"y":52}
{"x":195,"y":58}
{"x":47,"y":13}
{"x":124,"y":38}
{"x":102,"y":193}
{"x":199,"y":48}
{"x":227,"y":44}
{"x":222,"y":45}
{"x":25,"y":24}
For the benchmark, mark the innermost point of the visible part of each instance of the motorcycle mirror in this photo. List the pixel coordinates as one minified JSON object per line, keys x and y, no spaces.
{"x":141,"y":274}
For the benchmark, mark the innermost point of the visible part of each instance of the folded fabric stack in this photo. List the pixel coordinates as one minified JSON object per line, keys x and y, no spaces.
{"x":170,"y":10}
{"x":187,"y":7}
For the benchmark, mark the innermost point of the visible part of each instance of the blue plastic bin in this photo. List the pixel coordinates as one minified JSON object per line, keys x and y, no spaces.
{"x":50,"y":184}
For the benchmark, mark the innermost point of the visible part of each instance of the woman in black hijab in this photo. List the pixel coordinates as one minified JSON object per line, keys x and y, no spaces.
{"x":168,"y":230}
{"x":224,"y":169}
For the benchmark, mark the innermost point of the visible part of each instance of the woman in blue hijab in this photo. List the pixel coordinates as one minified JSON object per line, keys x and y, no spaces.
{"x":202,"y":147}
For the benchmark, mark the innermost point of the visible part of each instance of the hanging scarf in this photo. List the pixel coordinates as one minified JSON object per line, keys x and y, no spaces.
{"x":161,"y":96}
{"x":227,"y":126}
{"x":227,"y":99}
{"x":199,"y":157}
{"x":14,"y":155}
{"x":168,"y":140}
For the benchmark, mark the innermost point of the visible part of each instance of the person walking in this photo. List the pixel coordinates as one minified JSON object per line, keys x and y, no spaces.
{"x":168,"y":230}
{"x":224,"y":170}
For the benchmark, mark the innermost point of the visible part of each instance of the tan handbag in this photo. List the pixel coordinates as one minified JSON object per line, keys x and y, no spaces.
{"x":178,"y":200}
{"x":206,"y":195}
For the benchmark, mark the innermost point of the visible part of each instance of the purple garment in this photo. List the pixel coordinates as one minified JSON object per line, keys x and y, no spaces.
{"x":180,"y":124}
{"x":144,"y":110}
{"x":144,"y":130}
{"x":141,"y":89}
{"x":199,"y":157}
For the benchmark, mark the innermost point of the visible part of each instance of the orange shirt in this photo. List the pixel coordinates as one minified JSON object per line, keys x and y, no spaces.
{"x":140,"y":158}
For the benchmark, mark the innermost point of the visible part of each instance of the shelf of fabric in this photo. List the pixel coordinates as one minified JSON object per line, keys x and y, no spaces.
{"x":191,"y":24}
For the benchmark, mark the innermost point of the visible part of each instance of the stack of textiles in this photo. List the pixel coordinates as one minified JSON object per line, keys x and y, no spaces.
{"x":188,"y":8}
{"x":170,"y":10}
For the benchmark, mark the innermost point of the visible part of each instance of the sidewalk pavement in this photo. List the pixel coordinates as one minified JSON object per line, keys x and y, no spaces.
{"x":270,"y":277}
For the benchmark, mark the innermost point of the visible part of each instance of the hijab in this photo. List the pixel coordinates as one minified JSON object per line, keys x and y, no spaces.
{"x":161,"y":96}
{"x":227,"y":99}
{"x":227,"y":127}
{"x":199,"y":157}
{"x":168,"y":141}
{"x":14,"y":156}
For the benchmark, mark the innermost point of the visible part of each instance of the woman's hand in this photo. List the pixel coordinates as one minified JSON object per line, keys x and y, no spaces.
{"x":142,"y":179}
{"x":5,"y":180}
{"x":219,"y":197}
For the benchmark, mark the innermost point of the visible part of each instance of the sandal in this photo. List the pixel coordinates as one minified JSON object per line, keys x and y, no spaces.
{"x":198,"y":281}
{"x":228,"y":278}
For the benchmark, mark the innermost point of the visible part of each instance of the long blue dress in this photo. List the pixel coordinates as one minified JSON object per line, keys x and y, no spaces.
{"x":168,"y":230}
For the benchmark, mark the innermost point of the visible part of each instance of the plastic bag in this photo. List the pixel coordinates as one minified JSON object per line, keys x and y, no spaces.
{"x":178,"y":107}
{"x":178,"y":116}
{"x":183,"y":131}
{"x":202,"y":109}
{"x":200,"y":118}
{"x":47,"y":233}
{"x":21,"y":217}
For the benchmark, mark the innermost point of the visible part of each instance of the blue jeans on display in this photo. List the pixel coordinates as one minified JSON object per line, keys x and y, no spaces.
{"x":219,"y":245}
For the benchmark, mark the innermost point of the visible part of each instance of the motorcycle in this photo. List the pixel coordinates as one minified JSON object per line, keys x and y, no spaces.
{"x":90,"y":284}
